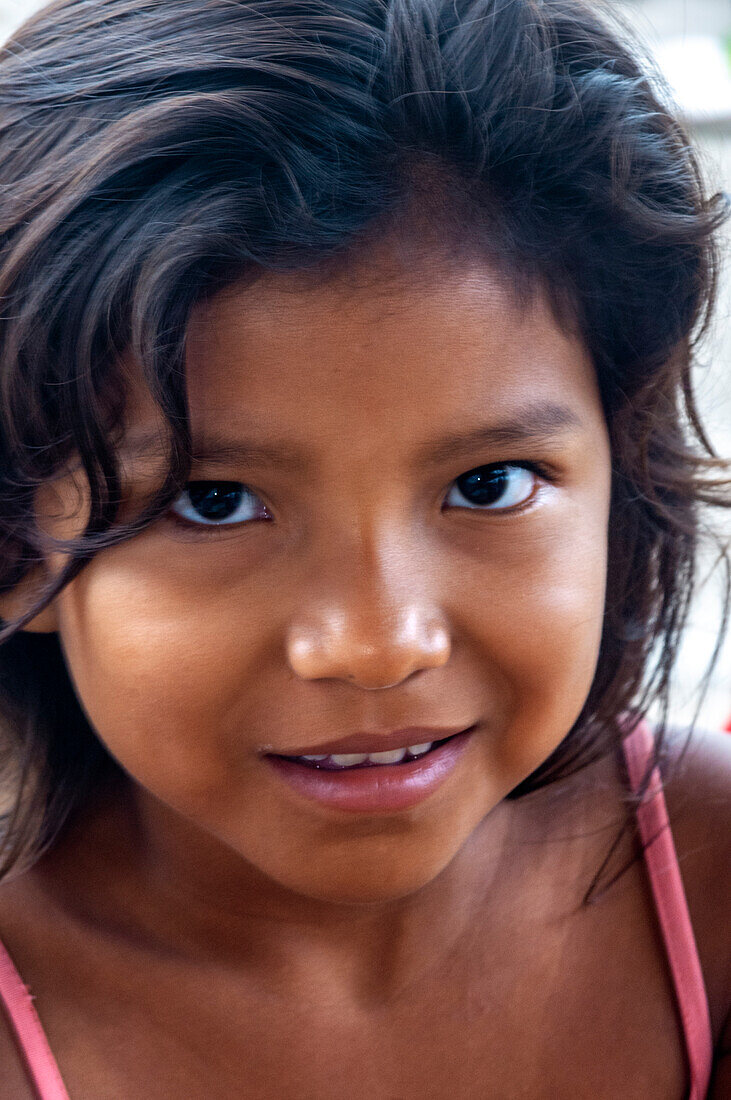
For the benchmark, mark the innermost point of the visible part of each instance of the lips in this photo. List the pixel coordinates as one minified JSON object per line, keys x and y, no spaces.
{"x":373,"y":789}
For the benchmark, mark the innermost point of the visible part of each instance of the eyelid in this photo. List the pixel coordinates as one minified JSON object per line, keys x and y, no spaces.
{"x":542,"y":470}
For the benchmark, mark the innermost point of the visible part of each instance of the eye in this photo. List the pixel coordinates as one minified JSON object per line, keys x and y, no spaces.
{"x":216,"y":504}
{"x":495,"y":488}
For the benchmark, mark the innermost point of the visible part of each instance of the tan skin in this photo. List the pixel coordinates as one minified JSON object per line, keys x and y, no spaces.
{"x":207,"y":932}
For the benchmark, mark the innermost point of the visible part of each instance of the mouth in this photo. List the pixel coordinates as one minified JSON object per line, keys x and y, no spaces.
{"x":389,"y":758}
{"x":379,"y":782}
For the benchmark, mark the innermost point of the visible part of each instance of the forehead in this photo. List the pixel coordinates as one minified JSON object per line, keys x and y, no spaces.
{"x":376,"y":350}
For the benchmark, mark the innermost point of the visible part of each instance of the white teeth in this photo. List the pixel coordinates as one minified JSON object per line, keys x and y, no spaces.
{"x":391,"y":757}
{"x":348,"y":759}
{"x":352,"y":759}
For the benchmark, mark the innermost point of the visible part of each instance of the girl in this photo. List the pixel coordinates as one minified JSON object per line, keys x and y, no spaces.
{"x":350,"y":487}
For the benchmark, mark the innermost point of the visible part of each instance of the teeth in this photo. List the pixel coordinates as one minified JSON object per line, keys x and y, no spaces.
{"x":348,"y":759}
{"x":352,"y":759}
{"x":394,"y":756}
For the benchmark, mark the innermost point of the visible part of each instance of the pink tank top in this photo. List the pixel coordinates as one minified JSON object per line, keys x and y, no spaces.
{"x":673,"y":917}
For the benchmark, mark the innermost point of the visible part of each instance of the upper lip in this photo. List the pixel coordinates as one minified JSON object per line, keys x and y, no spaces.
{"x":378,"y":742}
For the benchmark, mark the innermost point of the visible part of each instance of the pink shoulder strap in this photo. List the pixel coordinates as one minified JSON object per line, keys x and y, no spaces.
{"x":31,"y":1037}
{"x":663,"y":871}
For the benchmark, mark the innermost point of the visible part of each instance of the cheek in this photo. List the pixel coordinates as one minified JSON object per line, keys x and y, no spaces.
{"x":542,"y":630}
{"x":158,"y":670}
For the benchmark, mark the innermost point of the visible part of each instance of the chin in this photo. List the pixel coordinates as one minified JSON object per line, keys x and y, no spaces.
{"x":374,"y":878}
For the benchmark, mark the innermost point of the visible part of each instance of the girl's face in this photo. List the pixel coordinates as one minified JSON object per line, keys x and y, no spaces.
{"x":361,"y":583}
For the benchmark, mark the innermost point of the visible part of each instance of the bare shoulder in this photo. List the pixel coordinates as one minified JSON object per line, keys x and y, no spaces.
{"x":697,"y":780}
{"x":698,"y":768}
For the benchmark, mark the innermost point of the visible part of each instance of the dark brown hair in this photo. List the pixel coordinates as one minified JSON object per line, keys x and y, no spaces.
{"x":152,"y":152}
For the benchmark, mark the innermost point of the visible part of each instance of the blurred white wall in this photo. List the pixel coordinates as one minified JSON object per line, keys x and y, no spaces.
{"x":13,"y":12}
{"x":691,"y":42}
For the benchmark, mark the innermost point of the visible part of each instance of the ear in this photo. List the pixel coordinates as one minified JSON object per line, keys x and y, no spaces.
{"x":15,"y":602}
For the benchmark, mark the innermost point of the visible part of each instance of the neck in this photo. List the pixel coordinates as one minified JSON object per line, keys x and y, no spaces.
{"x":142,"y":871}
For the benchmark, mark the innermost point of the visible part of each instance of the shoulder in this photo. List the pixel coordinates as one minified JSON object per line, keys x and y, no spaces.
{"x":697,"y":782}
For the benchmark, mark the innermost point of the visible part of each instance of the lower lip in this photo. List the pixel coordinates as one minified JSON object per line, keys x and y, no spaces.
{"x":380,"y":789}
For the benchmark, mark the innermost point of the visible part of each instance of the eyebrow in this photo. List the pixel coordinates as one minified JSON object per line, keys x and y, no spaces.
{"x":531,"y":424}
{"x":218,"y":450}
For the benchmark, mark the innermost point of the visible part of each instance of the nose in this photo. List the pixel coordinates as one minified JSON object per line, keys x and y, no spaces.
{"x":375,"y":628}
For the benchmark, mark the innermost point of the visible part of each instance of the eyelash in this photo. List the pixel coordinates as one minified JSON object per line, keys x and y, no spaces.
{"x":208,"y":529}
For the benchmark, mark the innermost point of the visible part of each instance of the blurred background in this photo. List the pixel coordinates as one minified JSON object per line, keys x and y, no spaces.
{"x":690,"y":43}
